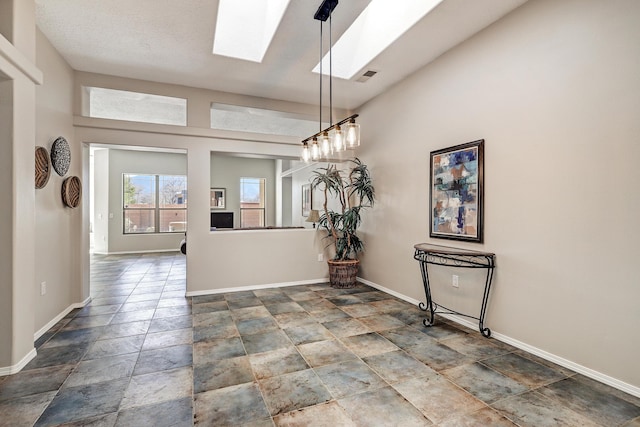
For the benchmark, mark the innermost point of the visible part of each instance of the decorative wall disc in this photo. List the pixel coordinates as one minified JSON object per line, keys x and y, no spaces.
{"x":71,"y":191}
{"x":43,"y":167}
{"x":60,"y":156}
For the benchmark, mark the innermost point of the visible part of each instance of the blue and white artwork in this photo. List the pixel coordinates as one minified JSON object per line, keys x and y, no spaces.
{"x":456,"y":191}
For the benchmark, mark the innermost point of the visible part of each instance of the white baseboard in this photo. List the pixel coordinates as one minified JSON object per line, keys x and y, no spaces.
{"x":137,"y":252}
{"x":389,"y":291}
{"x":587,"y":372}
{"x":59,"y":317}
{"x":10,"y":370}
{"x":256,"y":287}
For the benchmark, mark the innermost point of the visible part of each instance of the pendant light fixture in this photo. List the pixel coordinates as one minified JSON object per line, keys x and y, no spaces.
{"x":335,"y":138}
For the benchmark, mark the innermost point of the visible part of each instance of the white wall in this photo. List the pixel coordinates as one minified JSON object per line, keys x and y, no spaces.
{"x":553,"y":88}
{"x":57,"y":227}
{"x":226,"y":172}
{"x":142,"y":162}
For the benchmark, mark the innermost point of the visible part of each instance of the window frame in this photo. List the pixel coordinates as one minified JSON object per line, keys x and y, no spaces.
{"x":263,"y":199}
{"x":157,"y":208}
{"x":133,"y":106}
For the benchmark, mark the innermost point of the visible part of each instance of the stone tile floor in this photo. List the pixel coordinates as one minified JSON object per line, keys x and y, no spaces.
{"x":141,"y":354}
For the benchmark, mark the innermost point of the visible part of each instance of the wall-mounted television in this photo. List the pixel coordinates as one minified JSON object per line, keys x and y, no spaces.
{"x":221,"y":219}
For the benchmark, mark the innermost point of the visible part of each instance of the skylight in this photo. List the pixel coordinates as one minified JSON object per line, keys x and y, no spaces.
{"x":379,"y":25}
{"x":245,"y":28}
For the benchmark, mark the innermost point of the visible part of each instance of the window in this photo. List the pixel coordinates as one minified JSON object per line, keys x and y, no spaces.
{"x":135,"y":106}
{"x":154,"y":203}
{"x":252,"y":202}
{"x":259,"y":120}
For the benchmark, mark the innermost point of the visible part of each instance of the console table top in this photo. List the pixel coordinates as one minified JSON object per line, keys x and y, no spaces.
{"x":438,"y":249}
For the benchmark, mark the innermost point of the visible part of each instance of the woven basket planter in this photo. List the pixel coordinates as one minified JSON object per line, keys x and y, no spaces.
{"x":343,"y":274}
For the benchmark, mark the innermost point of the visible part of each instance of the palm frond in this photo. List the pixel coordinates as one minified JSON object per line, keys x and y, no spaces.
{"x":341,"y":227}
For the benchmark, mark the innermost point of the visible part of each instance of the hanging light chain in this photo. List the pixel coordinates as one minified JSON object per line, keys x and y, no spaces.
{"x":340,"y":139}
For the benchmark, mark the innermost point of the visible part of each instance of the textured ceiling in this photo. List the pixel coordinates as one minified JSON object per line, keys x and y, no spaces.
{"x":170,"y":41}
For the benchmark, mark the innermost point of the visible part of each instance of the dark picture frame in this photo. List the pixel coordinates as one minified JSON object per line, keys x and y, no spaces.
{"x":456,"y":192}
{"x":306,"y":200}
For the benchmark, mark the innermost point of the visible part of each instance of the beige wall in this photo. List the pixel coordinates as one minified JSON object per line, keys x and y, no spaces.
{"x":18,"y":26}
{"x":18,"y":79}
{"x":100,"y":201}
{"x":553,"y":88}
{"x":219,"y":260}
{"x":226,"y":172}
{"x":6,"y":227}
{"x":198,"y":102}
{"x":215,"y":260}
{"x":58,"y":228}
{"x":143,"y":162}
{"x":6,"y":21}
{"x":301,"y":177}
{"x":304,"y":175}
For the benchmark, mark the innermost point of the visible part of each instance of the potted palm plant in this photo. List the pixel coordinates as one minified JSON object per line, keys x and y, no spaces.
{"x":353,"y":191}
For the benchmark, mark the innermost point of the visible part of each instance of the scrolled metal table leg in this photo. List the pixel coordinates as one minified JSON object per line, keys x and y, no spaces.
{"x":486,"y":332}
{"x":427,"y":291}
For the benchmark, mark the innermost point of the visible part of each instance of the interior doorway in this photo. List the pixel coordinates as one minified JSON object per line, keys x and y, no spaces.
{"x":137,"y":207}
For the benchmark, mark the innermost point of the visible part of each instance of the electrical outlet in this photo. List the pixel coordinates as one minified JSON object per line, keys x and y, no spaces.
{"x":43,"y":288}
{"x":320,"y":257}
{"x":454,"y":280}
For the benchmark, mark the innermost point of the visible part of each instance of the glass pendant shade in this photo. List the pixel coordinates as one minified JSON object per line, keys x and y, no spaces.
{"x":315,"y":150}
{"x":338,"y":140}
{"x":353,"y":134}
{"x":306,"y":154}
{"x":325,"y":144}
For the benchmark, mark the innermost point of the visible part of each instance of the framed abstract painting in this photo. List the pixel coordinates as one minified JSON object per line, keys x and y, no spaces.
{"x":456,"y":192}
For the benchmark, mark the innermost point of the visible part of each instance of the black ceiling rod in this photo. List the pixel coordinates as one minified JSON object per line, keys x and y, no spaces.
{"x":325,"y":9}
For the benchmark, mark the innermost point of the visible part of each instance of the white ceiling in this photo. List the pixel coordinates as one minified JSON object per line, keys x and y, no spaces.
{"x":171,"y":41}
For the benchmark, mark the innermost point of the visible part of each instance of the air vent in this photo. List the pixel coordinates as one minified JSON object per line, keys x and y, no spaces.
{"x":366,"y":76}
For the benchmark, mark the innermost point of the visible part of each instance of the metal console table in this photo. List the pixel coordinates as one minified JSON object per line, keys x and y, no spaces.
{"x":441,"y":255}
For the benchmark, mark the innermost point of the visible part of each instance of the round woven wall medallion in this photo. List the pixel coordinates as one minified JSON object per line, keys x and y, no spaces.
{"x":60,"y":156}
{"x":43,"y":167}
{"x":71,"y":191}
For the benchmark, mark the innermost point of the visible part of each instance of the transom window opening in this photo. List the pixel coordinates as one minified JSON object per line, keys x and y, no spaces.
{"x":260,"y":120}
{"x":135,"y":106}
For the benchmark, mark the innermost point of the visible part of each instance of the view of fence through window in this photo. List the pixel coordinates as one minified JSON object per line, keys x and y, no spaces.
{"x":252,"y":204}
{"x":154,"y":203}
